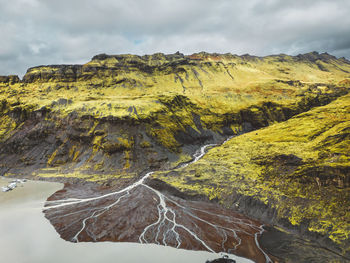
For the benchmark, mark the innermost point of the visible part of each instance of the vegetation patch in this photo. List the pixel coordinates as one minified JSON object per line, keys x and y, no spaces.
{"x":300,"y":167}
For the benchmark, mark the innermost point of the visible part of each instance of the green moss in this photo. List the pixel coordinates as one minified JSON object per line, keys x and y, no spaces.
{"x":127,"y":160}
{"x":7,"y":125}
{"x":97,"y":143}
{"x":164,"y":136}
{"x":91,"y":177}
{"x":99,"y":166}
{"x":300,"y":167}
{"x":225,"y":84}
{"x":51,"y":159}
{"x":110,"y":147}
{"x":75,"y":156}
{"x":127,"y":143}
{"x":164,"y":93}
{"x":145,"y":144}
{"x":158,"y":91}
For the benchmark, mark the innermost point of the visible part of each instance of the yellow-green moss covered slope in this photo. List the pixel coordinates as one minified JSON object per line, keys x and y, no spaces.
{"x":300,"y":167}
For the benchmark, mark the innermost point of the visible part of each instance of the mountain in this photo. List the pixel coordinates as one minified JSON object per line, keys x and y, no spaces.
{"x":118,"y":116}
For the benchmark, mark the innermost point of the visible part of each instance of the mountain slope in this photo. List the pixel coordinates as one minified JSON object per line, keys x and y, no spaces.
{"x":98,"y":117}
{"x":116,"y":117}
{"x":295,"y":173}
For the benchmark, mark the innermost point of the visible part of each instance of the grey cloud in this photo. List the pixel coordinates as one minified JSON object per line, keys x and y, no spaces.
{"x":35,"y":32}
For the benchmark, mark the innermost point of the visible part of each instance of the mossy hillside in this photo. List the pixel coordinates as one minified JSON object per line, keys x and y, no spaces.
{"x":110,"y":85}
{"x":300,"y":167}
{"x":111,"y":146}
{"x":169,"y":115}
{"x":7,"y":125}
{"x":74,"y":144}
{"x":53,"y":173}
{"x":132,"y":87}
{"x":107,"y":147}
{"x":88,"y":146}
{"x":171,"y":100}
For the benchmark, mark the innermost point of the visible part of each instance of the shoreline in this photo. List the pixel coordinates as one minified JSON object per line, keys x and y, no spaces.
{"x":29,"y":237}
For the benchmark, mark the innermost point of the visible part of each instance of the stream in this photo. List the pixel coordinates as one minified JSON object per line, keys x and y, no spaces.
{"x":143,"y":214}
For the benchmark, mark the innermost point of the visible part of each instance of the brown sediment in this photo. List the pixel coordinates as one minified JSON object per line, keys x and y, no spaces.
{"x":137,"y":215}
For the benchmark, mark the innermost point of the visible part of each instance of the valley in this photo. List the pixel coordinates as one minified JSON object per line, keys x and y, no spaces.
{"x":243,"y":155}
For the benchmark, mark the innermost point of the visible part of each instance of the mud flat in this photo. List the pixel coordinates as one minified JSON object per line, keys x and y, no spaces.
{"x":26,"y":236}
{"x":149,"y":212}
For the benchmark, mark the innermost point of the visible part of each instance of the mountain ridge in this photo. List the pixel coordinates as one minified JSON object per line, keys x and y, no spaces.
{"x":310,"y":56}
{"x":116,"y":117}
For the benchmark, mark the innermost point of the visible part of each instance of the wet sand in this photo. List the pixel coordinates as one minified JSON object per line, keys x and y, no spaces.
{"x":142,"y":214}
{"x":26,"y":236}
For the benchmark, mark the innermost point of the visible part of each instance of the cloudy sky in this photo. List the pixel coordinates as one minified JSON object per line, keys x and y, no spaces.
{"x":40,"y":32}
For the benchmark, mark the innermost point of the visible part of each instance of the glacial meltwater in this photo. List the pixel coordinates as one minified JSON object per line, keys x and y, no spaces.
{"x":26,"y":236}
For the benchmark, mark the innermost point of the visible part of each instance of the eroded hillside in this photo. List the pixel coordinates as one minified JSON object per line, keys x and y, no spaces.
{"x":126,"y":113}
{"x":116,"y":117}
{"x":295,"y":173}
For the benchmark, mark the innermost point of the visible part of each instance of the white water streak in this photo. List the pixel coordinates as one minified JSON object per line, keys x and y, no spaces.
{"x":163,"y":220}
{"x":267,"y":258}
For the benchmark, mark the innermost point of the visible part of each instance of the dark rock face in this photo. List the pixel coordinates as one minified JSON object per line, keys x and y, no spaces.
{"x":61,"y":73}
{"x":327,"y":176}
{"x":295,"y":245}
{"x":292,"y":248}
{"x":11,"y":79}
{"x":314,"y":56}
{"x":44,"y":139}
{"x":146,"y":63}
{"x":69,"y":143}
{"x":145,"y":58}
{"x":72,"y":73}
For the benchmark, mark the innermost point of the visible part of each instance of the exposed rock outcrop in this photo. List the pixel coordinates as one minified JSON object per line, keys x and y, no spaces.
{"x":11,"y":79}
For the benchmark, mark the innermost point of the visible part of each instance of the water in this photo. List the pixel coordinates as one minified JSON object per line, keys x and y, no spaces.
{"x":26,"y":236}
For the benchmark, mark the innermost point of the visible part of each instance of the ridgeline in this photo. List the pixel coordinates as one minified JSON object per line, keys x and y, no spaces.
{"x":117,"y":116}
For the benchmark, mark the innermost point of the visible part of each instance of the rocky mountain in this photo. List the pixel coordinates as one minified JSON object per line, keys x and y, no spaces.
{"x":118,"y":116}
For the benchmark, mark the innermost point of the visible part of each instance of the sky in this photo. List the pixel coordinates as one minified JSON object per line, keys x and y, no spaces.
{"x":42,"y":32}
